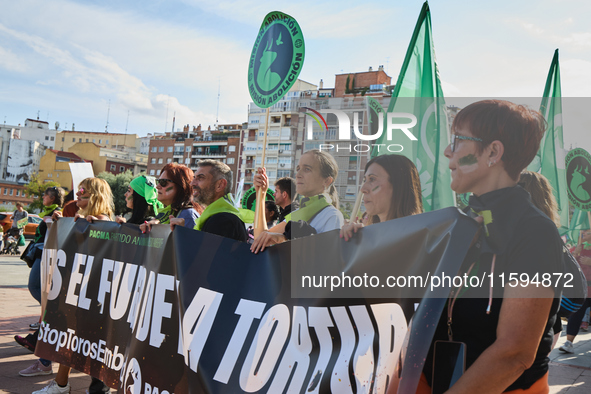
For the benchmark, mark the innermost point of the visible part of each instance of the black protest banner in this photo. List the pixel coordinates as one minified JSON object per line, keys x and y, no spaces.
{"x":186,"y":311}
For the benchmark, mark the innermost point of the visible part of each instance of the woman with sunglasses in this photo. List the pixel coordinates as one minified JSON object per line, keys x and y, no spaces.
{"x":175,"y":193}
{"x":53,"y":200}
{"x":506,"y":328}
{"x":142,"y":198}
{"x":391,"y":189}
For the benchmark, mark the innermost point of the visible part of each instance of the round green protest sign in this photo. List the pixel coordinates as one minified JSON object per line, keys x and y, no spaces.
{"x":276,"y":59}
{"x":250,"y":196}
{"x":465,"y":198}
{"x":578,"y":178}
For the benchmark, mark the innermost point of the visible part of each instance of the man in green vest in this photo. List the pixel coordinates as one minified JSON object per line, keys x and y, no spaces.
{"x":212,"y":182}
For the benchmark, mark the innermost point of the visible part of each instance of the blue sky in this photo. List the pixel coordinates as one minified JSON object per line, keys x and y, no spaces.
{"x":67,"y":59}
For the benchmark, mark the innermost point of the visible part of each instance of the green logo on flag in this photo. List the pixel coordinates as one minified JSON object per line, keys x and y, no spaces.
{"x":250,"y":197}
{"x":578,"y":178}
{"x":276,"y":59}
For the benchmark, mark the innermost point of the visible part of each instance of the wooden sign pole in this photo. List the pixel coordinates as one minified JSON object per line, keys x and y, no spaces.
{"x":260,"y":222}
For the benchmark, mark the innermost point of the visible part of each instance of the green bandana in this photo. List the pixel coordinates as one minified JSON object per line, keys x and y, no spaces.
{"x":218,"y":206}
{"x":145,"y":186}
{"x":47,"y":210}
{"x":164,"y":215}
{"x":309,"y":207}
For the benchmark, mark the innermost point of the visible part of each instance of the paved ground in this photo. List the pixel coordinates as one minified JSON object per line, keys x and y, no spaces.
{"x":569,"y":373}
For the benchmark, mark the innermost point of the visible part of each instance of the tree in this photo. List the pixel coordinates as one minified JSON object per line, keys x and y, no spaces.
{"x":118,"y":184}
{"x":36,"y":188}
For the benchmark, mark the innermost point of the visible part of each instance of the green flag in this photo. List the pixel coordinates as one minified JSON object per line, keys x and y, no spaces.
{"x":549,"y":160}
{"x":579,"y":221}
{"x":418,"y":92}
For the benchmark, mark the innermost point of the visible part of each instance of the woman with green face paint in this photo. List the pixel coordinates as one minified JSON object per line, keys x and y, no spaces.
{"x":142,"y":198}
{"x":506,"y":329}
{"x":391,"y":189}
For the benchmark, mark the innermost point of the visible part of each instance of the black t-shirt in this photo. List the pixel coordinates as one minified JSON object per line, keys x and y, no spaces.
{"x":524,"y":241}
{"x":227,"y":225}
{"x":283,"y":212}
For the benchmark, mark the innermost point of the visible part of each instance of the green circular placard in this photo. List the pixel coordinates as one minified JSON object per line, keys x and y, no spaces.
{"x":250,"y":196}
{"x":465,"y":198}
{"x":578,"y":178}
{"x":276,"y":60}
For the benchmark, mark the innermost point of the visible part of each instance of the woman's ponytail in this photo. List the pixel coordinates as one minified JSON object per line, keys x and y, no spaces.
{"x":334,"y":196}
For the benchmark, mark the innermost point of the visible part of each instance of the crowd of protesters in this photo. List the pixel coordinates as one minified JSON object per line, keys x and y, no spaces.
{"x":506,"y":338}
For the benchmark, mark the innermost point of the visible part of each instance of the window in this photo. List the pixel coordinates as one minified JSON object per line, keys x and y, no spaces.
{"x":187,"y":161}
{"x":169,"y":149}
{"x":57,"y":175}
{"x":160,"y":160}
{"x":5,"y":191}
{"x":153,"y":160}
{"x":232,"y":148}
{"x":73,"y":139}
{"x":152,"y":172}
{"x":87,"y":140}
{"x":230,"y":160}
{"x":158,"y":172}
{"x":63,"y":139}
{"x":48,"y":175}
{"x":160,"y":149}
{"x":79,"y":139}
{"x":18,"y":192}
{"x":154,"y":149}
{"x":113,"y":167}
{"x":46,"y":138}
{"x":100,"y":141}
{"x":52,"y":138}
{"x":11,"y":190}
{"x":107,"y":142}
{"x":121,"y":169}
{"x":188,"y":149}
{"x":169,"y":160}
{"x":93,"y":140}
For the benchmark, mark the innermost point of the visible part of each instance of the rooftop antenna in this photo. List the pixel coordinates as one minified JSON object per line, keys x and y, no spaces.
{"x":218,"y":109}
{"x":38,"y":115}
{"x":126,"y":124}
{"x":108,"y":112}
{"x":173,"y":120}
{"x":166,"y":124}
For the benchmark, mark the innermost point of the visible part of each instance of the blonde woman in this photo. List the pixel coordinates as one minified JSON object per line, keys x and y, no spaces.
{"x":316,"y":173}
{"x":94,"y":200}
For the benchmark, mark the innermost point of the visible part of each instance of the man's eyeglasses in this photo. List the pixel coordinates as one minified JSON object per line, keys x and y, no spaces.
{"x":455,"y":137}
{"x":164,"y":182}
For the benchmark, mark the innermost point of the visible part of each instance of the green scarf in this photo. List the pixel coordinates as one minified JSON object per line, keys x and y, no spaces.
{"x":145,"y":186}
{"x":309,"y":207}
{"x":164,"y":215}
{"x":218,"y":206}
{"x":47,"y":210}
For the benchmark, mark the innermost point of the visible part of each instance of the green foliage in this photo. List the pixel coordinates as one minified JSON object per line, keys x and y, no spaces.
{"x":36,"y":188}
{"x":118,"y":184}
{"x":346,"y":210}
{"x":347,"y":90}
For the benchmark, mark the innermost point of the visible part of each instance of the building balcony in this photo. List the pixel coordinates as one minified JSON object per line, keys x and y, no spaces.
{"x":208,"y":155}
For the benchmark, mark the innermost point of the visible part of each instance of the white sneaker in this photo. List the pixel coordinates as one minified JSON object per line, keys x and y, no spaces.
{"x":567,"y":347}
{"x":53,"y":388}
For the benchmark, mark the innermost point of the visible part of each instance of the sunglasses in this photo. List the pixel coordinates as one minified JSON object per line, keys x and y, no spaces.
{"x":164,"y":182}
{"x":455,"y":137}
{"x":81,"y":190}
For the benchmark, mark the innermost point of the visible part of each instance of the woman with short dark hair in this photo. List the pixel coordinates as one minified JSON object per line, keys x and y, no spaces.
{"x":506,"y":330}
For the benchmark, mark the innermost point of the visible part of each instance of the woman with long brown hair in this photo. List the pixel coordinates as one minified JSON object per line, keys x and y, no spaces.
{"x":391,"y":189}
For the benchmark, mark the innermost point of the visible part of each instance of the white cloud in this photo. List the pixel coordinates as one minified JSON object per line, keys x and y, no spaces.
{"x":11,"y":62}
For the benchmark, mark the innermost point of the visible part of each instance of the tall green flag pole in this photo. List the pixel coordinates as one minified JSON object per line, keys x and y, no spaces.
{"x":549,"y":160}
{"x":418,"y":92}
